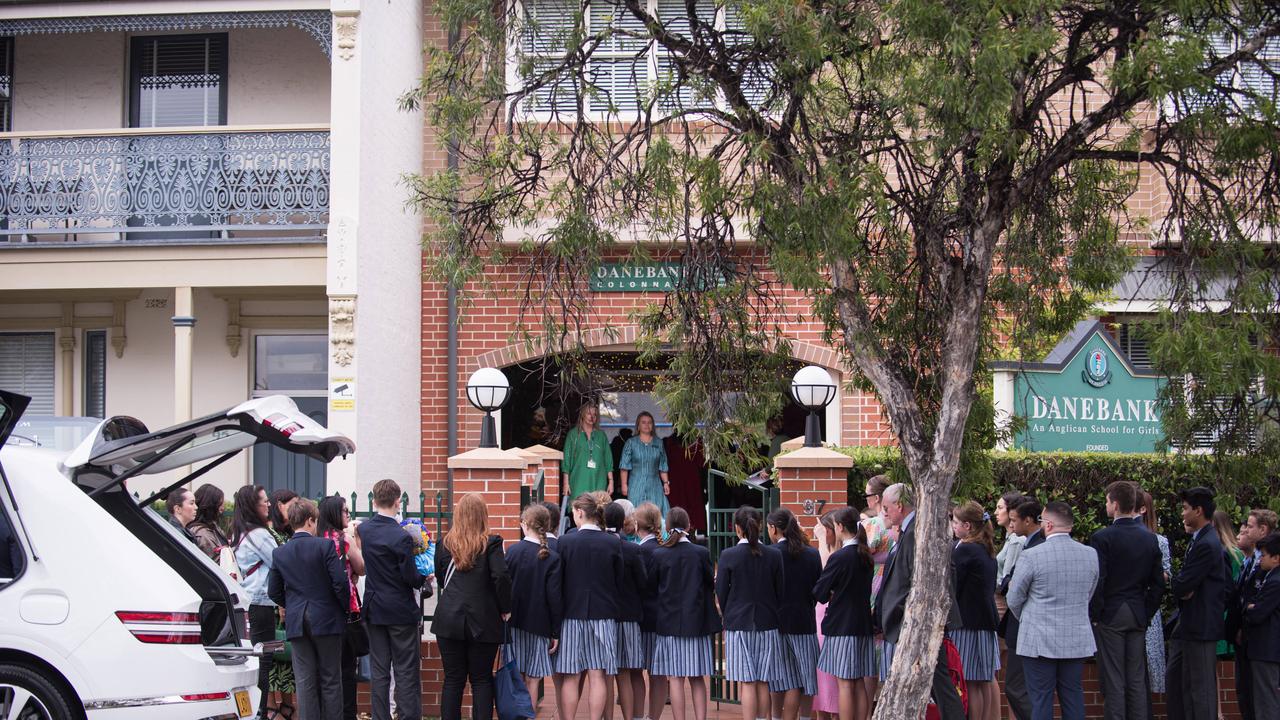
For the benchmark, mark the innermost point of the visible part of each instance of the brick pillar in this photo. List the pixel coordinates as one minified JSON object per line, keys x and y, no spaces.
{"x":497,"y":476}
{"x":551,"y":461}
{"x":812,"y":481}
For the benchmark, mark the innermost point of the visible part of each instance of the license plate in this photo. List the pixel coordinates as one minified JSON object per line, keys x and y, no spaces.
{"x":243,"y":706}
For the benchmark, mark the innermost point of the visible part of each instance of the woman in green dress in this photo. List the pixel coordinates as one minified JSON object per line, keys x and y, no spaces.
{"x":1235,"y":561}
{"x":644,"y":466}
{"x":588,"y":462}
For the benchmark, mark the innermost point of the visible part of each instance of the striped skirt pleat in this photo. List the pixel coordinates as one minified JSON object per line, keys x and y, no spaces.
{"x":681,"y":656}
{"x":752,"y":656}
{"x":631,"y":648}
{"x":979,"y":653}
{"x":848,"y":657}
{"x":531,"y":653}
{"x":587,"y":645}
{"x":797,"y":666}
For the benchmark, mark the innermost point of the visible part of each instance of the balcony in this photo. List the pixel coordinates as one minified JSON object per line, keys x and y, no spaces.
{"x":167,"y":185}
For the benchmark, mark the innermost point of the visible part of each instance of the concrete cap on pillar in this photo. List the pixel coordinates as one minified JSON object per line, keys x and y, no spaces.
{"x":488,"y":458}
{"x":545,"y":452}
{"x":813,"y":457}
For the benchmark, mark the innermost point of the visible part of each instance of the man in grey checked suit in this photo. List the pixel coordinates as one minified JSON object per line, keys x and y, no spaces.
{"x":1050,"y":594}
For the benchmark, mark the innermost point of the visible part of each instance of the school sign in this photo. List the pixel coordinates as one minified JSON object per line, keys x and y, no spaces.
{"x":1085,"y":396}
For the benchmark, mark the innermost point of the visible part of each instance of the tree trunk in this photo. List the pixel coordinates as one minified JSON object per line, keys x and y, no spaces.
{"x":906,"y":692}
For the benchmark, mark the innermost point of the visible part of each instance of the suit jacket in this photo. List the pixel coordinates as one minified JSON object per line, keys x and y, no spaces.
{"x":472,"y":602}
{"x":1129,"y":572}
{"x":536,"y":603}
{"x":975,"y":578}
{"x":845,"y":585}
{"x":801,"y":572}
{"x":891,"y":601}
{"x":648,"y":598}
{"x":685,"y":588}
{"x":1262,"y":620}
{"x":1204,"y":577}
{"x":749,"y":587}
{"x":592,"y":574}
{"x":1008,"y":627}
{"x":1240,"y":594}
{"x":1050,"y":593}
{"x":390,"y":576}
{"x":632,"y":582}
{"x":309,"y":581}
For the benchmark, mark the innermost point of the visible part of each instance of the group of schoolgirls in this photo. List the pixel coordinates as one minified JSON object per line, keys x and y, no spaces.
{"x":591,"y":605}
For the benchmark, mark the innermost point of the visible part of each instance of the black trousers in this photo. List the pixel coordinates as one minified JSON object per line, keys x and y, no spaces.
{"x":1122,"y":666}
{"x":1244,"y":683}
{"x":262,"y":627}
{"x":348,"y":681}
{"x":1192,"y":682}
{"x":318,"y":677}
{"x":1015,"y":680}
{"x":398,"y":649}
{"x":467,"y":660}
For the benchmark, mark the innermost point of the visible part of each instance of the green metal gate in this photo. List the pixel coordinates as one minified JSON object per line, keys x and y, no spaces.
{"x":721,"y":536}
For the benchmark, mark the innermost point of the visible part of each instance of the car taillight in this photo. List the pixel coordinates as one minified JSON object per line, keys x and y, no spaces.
{"x":201,"y":697}
{"x":162,"y":628}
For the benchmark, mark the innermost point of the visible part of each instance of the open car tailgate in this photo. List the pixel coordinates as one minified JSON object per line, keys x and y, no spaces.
{"x":120,"y":444}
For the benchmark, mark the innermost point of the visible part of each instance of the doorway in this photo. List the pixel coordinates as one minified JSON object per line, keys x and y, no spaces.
{"x":294,"y":365}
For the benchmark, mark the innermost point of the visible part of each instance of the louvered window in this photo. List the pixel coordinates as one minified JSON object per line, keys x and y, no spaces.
{"x":1257,"y":77}
{"x":625,"y":70}
{"x":179,"y":80}
{"x":95,"y":373}
{"x":26,"y":367}
{"x":6,"y":84}
{"x":1134,"y":345}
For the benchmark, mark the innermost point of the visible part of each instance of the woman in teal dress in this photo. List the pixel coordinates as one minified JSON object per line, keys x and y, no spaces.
{"x":644,"y":466}
{"x":588,"y":461}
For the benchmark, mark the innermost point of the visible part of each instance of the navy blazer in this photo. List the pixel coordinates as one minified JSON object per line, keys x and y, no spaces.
{"x":632,"y":583}
{"x":1204,"y":577}
{"x":536,"y":603}
{"x":685,"y":588}
{"x":309,"y":581}
{"x":1262,"y":620}
{"x":472,"y":602}
{"x":801,"y":572}
{"x":1240,"y":594}
{"x":750,"y":587}
{"x":974,"y":570}
{"x":648,"y":598}
{"x":390,"y":576}
{"x":1129,"y":572}
{"x":845,"y":586}
{"x":592,"y":574}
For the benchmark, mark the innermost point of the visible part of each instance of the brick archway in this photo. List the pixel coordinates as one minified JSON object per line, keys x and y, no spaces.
{"x":517,"y":353}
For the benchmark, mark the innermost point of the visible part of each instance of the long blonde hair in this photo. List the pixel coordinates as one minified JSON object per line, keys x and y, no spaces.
{"x":469,"y":531}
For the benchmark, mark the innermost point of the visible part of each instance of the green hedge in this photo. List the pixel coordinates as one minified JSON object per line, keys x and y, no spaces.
{"x":1080,"y":479}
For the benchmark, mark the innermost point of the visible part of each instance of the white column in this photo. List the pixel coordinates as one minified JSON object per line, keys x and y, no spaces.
{"x":67,"y":343}
{"x":1002,"y":399}
{"x":184,"y":323}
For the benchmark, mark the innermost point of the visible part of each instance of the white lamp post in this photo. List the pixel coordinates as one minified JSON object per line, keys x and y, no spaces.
{"x":813,"y":389}
{"x":488,"y":390}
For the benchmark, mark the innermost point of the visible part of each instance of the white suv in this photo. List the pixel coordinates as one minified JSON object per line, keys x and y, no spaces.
{"x":107,"y":611}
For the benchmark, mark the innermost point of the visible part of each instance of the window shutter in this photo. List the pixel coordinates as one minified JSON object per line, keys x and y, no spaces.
{"x":26,"y":367}
{"x":179,"y":80}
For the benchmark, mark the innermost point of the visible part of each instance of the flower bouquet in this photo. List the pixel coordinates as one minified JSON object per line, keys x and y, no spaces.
{"x":424,"y":548}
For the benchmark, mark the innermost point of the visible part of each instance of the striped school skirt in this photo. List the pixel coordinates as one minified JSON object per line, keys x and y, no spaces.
{"x":531,"y":653}
{"x":631,"y":648}
{"x":587,"y":645}
{"x":681,"y":656}
{"x":979,"y":653}
{"x":848,"y":657}
{"x":797,"y":665}
{"x":648,"y":639}
{"x":886,"y":660}
{"x":751,"y":656}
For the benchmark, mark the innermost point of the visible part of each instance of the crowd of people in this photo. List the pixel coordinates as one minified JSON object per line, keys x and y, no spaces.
{"x":624,"y":607}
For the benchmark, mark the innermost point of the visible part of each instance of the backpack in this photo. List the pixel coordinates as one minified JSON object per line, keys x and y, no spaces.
{"x":957,"y":677}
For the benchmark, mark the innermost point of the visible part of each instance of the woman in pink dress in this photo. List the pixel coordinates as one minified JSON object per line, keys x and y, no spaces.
{"x":826,"y":704}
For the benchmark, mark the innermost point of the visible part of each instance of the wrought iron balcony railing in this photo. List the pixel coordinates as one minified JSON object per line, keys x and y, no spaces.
{"x":187,"y":184}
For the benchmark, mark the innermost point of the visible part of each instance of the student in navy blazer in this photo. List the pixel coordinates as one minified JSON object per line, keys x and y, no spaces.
{"x":593,"y":567}
{"x":848,"y":632}
{"x":536,"y":604}
{"x":631,"y":650}
{"x":1261,"y":619}
{"x":685,"y":586}
{"x":797,"y":679}
{"x":1200,"y":588}
{"x":749,"y":586}
{"x":392,"y":611}
{"x":308,"y":580}
{"x":648,"y":519}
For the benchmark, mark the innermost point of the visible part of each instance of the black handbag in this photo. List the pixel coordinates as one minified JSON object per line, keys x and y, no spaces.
{"x":356,"y":635}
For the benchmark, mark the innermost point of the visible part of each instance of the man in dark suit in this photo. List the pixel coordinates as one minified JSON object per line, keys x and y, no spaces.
{"x":309,"y":581}
{"x":1262,"y":619}
{"x":1024,"y":517}
{"x":1200,"y":587}
{"x":1130,"y":585}
{"x":891,"y":601}
{"x":1260,"y":523}
{"x":392,"y":613}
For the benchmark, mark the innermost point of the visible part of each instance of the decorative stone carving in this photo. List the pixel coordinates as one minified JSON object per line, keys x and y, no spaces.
{"x":345,"y":27}
{"x":342,"y":329}
{"x":233,"y":326}
{"x":118,"y":339}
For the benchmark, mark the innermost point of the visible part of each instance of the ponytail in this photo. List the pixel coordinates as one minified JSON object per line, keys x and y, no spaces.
{"x":614,"y":518}
{"x":747,"y":519}
{"x":538,"y":521}
{"x":678,"y":524}
{"x":789,"y":528}
{"x":592,"y":506}
{"x":847,"y":518}
{"x":980,"y":529}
